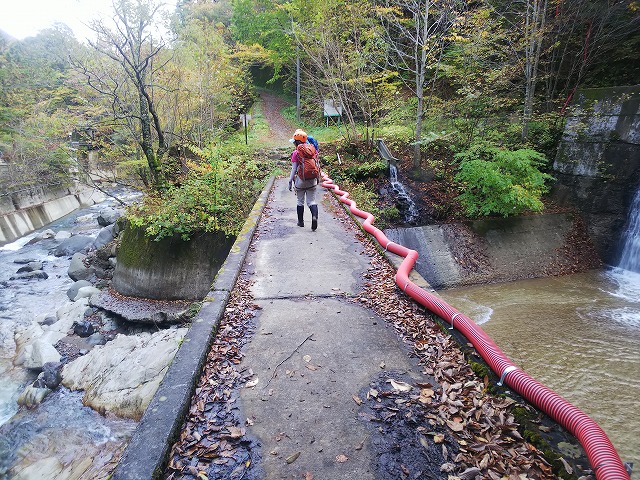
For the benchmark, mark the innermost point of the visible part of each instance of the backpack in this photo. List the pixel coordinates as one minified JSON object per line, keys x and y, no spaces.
{"x":313,"y":142}
{"x":308,"y":168}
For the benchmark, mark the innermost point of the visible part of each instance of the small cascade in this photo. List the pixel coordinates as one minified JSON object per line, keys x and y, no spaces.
{"x":630,"y":258}
{"x":407,"y":205}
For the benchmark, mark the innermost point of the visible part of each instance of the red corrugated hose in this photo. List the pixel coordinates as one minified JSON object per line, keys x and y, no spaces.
{"x":603,"y":457}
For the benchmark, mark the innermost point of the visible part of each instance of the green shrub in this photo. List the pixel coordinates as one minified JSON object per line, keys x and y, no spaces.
{"x":391,"y":214}
{"x":396,"y":133}
{"x":213,"y":196}
{"x":365,"y":170}
{"x":499,"y":181}
{"x":366,"y":200}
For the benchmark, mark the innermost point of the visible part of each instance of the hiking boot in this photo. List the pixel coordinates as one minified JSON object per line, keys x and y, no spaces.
{"x":300,"y":210}
{"x":314,"y":216}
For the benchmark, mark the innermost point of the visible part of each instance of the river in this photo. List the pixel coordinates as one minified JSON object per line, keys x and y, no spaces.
{"x":61,"y":429}
{"x":578,"y":335}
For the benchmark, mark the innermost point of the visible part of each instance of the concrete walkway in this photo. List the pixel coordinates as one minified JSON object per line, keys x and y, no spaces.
{"x":314,"y":349}
{"x":315,"y":352}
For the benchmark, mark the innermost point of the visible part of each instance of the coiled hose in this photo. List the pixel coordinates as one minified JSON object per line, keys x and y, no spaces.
{"x":603,"y":457}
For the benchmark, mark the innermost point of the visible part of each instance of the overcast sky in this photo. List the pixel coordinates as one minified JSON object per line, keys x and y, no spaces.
{"x":25,"y":18}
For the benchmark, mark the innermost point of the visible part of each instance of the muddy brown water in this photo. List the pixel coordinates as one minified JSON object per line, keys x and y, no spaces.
{"x":578,"y":335}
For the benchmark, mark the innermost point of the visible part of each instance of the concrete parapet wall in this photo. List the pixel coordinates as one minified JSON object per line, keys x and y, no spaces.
{"x":21,"y":222}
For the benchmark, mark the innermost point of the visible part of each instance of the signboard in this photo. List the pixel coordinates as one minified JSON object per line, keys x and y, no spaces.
{"x":244,"y":118}
{"x":332,"y":108}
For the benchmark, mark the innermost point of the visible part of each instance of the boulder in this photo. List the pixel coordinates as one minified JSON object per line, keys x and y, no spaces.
{"x":83,"y":328}
{"x":50,"y":377}
{"x":108,"y":216}
{"x":39,"y":274}
{"x":70,"y":313}
{"x":39,"y":353}
{"x":24,"y":261}
{"x":72,"y":293}
{"x":86,"y":292}
{"x":77,"y":243}
{"x":30,"y":267}
{"x":78,"y":270}
{"x":49,"y":468}
{"x":122,"y":376}
{"x":104,"y":236}
{"x":32,"y":396}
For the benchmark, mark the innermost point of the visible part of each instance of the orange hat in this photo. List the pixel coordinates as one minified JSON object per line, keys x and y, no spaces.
{"x":299,"y":135}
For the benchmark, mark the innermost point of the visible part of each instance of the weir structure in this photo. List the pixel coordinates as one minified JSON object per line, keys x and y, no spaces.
{"x":602,"y":455}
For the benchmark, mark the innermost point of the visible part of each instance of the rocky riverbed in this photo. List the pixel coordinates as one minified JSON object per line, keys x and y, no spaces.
{"x":78,"y":363}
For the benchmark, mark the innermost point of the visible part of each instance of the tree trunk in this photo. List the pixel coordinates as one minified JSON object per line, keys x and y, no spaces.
{"x":535,"y":20}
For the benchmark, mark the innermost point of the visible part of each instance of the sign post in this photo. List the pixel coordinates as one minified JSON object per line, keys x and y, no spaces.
{"x":244,"y":118}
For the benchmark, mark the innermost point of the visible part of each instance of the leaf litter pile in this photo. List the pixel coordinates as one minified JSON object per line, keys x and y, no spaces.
{"x":451,"y":429}
{"x":213,"y":443}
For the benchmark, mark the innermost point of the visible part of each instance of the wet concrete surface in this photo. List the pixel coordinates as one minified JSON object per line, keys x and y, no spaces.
{"x":314,"y":351}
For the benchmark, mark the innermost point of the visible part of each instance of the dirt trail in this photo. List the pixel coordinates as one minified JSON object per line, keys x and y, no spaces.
{"x":280,"y":129}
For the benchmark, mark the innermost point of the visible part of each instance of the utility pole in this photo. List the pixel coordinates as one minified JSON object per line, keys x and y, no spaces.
{"x":298,"y":83}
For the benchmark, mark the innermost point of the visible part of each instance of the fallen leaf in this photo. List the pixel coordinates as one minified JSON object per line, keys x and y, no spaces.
{"x":357,"y":399}
{"x":307,"y":476}
{"x":307,"y":358}
{"x":341,"y":458}
{"x":447,"y":467}
{"x":252,"y":383}
{"x":455,"y":426}
{"x":293,"y":458}
{"x":567,"y":467}
{"x":400,"y":386}
{"x":235,"y":432}
{"x":313,"y":368}
{"x":438,"y":438}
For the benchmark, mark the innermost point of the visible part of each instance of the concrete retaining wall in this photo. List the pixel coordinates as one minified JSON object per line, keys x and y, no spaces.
{"x":26,"y":211}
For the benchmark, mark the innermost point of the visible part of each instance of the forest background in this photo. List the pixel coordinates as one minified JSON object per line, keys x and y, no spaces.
{"x":472,"y":94}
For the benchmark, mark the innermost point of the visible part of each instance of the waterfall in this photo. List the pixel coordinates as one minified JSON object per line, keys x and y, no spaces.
{"x":630,"y":259}
{"x":408,"y":206}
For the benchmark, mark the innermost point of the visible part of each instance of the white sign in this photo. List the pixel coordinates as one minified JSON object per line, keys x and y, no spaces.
{"x":332,"y":108}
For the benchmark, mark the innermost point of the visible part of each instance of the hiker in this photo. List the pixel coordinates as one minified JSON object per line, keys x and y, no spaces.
{"x":310,"y":139}
{"x":305,"y":171}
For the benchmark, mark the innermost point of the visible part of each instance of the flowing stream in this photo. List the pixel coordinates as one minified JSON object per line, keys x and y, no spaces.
{"x":408,"y":205}
{"x":579,"y":335}
{"x":630,"y":258}
{"x":61,"y":427}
